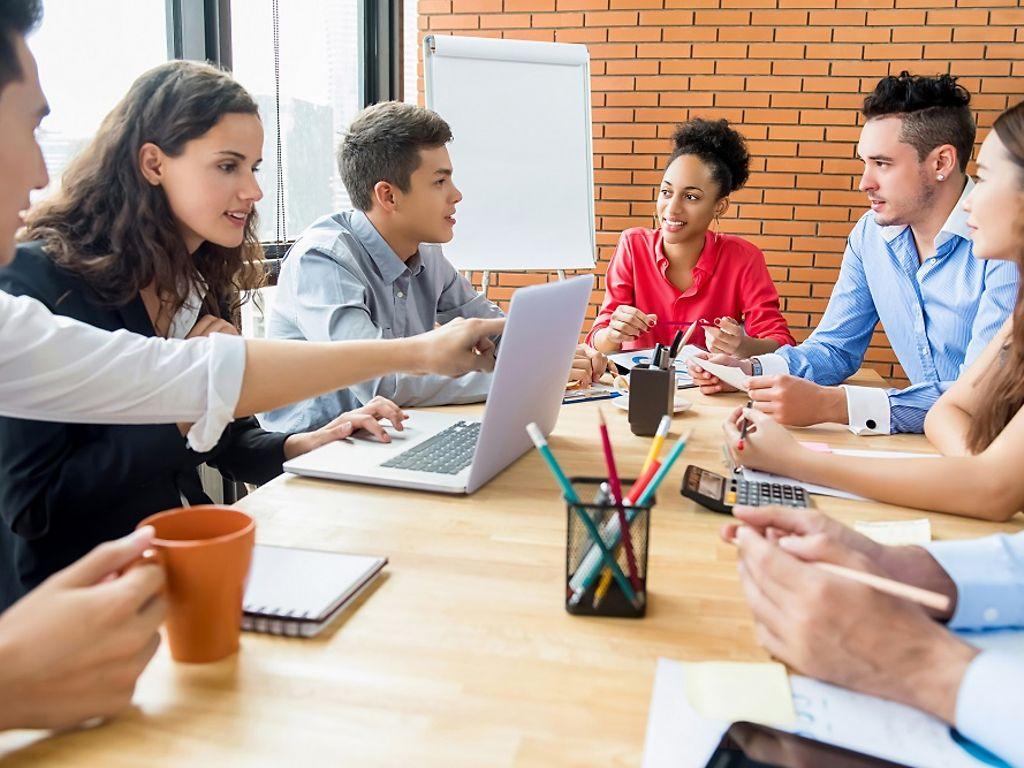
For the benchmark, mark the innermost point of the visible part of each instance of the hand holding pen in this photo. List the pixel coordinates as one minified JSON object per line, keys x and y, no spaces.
{"x":743,"y":428}
{"x":725,"y":336}
{"x":767,"y":445}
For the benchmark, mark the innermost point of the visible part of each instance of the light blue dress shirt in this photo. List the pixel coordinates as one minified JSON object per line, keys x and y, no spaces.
{"x":938,"y":315}
{"x":342,"y":281}
{"x":989,"y":577}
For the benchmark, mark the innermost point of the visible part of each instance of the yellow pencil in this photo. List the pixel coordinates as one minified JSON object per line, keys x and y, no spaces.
{"x":602,"y":586}
{"x":657,"y":442}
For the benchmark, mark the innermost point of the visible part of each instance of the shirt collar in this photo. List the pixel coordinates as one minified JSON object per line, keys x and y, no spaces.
{"x":956,"y":222}
{"x":706,"y":262}
{"x":391,"y":267}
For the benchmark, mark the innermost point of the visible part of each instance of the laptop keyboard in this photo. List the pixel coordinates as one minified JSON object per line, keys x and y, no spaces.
{"x":446,"y":453}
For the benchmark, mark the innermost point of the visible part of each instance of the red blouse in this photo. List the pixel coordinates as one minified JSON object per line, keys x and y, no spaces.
{"x":729,"y":279}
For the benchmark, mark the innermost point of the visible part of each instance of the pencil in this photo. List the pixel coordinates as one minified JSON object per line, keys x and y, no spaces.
{"x":616,"y":487}
{"x":652,"y":486}
{"x":657,"y":442}
{"x":602,"y":588}
{"x":574,"y":500}
{"x":924,"y":597}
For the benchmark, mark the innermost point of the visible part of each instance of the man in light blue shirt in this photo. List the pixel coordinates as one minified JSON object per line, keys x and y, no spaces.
{"x":377,"y":272}
{"x":908,"y":264}
{"x":852,"y":635}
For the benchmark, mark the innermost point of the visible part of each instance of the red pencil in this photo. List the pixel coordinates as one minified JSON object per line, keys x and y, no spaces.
{"x":616,"y":488}
{"x":641,"y":483}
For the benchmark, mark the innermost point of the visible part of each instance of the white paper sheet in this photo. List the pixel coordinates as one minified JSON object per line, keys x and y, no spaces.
{"x":862,"y":454}
{"x":758,"y":476}
{"x":755,"y":475}
{"x":734,"y":377}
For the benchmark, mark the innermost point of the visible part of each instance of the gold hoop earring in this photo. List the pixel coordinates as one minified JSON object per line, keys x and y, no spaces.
{"x":718,"y":228}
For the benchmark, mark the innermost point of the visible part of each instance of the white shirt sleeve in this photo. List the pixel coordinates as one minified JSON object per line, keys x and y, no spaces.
{"x":56,"y":369}
{"x":772,"y":364}
{"x":867,"y":410}
{"x":990,"y":704}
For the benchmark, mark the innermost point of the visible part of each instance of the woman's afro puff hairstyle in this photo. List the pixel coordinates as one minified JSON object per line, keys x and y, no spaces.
{"x":717,"y":144}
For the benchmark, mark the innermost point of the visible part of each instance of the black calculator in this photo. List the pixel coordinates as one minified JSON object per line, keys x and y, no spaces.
{"x":720,"y":493}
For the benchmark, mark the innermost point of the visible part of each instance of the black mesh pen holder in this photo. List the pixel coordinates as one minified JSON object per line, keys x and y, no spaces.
{"x":588,"y":592}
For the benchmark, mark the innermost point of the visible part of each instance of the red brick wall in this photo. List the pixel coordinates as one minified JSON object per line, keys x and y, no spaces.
{"x":790,"y":73}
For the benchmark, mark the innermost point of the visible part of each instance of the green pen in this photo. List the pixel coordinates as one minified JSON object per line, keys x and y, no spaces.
{"x":570,"y":495}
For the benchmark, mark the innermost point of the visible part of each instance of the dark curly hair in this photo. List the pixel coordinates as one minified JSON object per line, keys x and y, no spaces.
{"x":116,"y":231}
{"x":934,"y":111}
{"x":718,"y":145}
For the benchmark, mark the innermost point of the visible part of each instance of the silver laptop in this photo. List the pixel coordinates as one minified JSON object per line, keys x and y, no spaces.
{"x":445,"y":452}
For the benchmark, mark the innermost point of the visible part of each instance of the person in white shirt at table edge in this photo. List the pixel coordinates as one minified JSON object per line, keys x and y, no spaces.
{"x":72,"y":649}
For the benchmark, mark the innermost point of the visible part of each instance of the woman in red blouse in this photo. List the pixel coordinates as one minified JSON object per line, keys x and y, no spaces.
{"x":661,"y":280}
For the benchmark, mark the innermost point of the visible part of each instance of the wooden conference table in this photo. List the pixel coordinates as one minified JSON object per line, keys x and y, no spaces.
{"x":463,"y":655}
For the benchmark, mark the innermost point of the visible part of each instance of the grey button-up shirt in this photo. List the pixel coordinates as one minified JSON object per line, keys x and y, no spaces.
{"x":342,"y":281}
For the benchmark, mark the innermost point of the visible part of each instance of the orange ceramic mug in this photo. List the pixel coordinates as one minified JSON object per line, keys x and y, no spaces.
{"x":206,"y":551}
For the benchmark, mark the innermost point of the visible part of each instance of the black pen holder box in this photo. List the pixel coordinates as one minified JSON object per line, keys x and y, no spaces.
{"x":585,"y":595}
{"x":652,"y":394}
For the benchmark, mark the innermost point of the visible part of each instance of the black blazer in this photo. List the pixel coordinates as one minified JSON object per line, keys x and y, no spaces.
{"x":64,"y":488}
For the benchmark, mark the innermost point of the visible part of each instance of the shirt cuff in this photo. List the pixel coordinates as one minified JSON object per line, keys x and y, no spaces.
{"x":867,"y":410}
{"x":772,"y":364}
{"x":988,"y":579}
{"x":225,"y":369}
{"x":990,"y":702}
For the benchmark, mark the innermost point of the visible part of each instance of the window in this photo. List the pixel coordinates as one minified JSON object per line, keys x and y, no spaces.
{"x":319,"y":87}
{"x":410,"y":51}
{"x":88,"y":56}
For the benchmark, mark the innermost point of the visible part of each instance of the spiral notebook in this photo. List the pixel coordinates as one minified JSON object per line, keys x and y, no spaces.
{"x":299,"y":592}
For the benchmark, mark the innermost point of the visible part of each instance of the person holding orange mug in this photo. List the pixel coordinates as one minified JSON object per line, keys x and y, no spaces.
{"x":72,"y":649}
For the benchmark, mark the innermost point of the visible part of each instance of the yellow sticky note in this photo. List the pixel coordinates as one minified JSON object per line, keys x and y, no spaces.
{"x":732,"y":691}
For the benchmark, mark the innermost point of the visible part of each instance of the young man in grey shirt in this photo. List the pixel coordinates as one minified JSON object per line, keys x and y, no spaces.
{"x":378,"y":271}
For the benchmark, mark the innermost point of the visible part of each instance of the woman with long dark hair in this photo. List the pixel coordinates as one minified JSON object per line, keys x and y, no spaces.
{"x":978,"y":423}
{"x":72,"y":650}
{"x":152,"y":231}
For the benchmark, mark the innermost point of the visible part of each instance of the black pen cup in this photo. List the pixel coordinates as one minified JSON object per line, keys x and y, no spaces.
{"x":652,"y":394}
{"x":588,"y":591}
